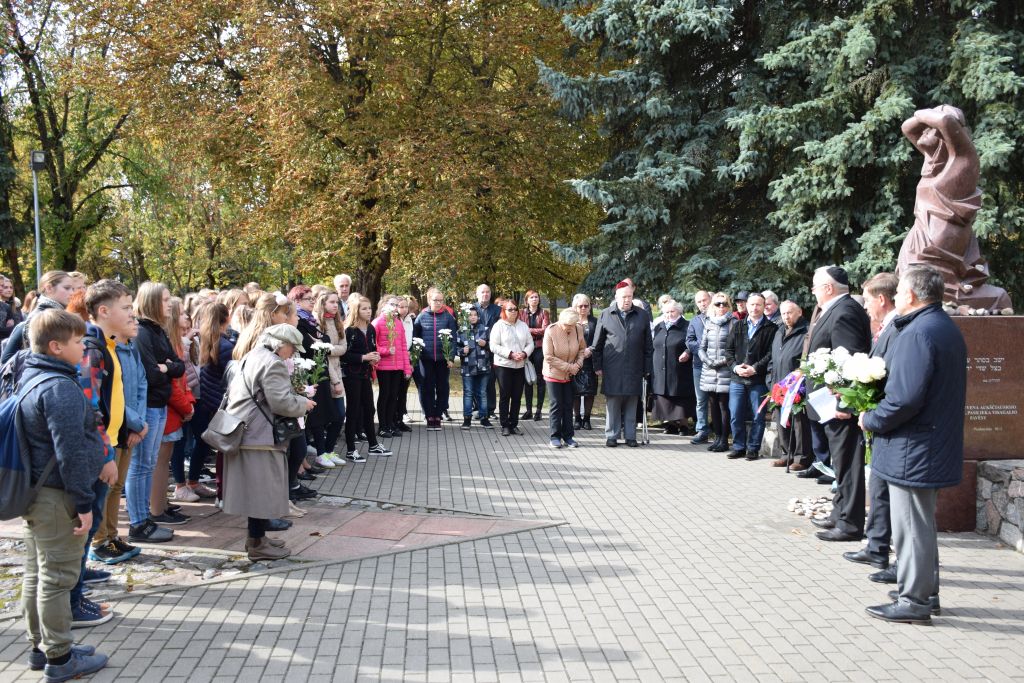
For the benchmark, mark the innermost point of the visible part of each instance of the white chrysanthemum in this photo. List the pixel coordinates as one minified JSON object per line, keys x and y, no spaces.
{"x":304,"y":363}
{"x":832,"y":377}
{"x":444,"y":333}
{"x":418,"y":342}
{"x":840,"y":355}
{"x":320,"y":346}
{"x":466,"y":306}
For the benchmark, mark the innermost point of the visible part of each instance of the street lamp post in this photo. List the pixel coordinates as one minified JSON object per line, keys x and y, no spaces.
{"x":38,"y":163}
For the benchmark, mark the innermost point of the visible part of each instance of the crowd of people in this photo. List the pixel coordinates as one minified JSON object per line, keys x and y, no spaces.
{"x":155,"y":379}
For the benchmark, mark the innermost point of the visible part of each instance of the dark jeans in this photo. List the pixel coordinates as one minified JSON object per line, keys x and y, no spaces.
{"x":510,"y":381}
{"x":434,"y":387}
{"x":296,"y":454}
{"x":359,"y":392}
{"x":389,"y":383}
{"x":401,"y":406}
{"x":492,"y":392}
{"x":474,"y":393}
{"x":744,"y":400}
{"x":560,"y":416}
{"x":537,"y":359}
{"x":99,"y":489}
{"x":257,"y":527}
{"x":718,"y":407}
{"x":192,"y":447}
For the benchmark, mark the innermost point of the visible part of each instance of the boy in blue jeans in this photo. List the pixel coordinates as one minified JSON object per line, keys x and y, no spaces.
{"x":58,"y":424}
{"x":476,"y":370}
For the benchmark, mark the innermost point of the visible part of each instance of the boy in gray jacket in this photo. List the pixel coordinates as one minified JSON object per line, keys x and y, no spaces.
{"x":58,"y":423}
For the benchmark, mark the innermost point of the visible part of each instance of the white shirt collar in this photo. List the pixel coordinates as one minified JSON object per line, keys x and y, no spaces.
{"x":828,"y":304}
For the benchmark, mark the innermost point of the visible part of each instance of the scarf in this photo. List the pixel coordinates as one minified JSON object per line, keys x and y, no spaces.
{"x":307,"y":316}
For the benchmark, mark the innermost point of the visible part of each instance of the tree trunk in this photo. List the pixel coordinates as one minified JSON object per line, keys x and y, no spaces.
{"x":11,"y":258}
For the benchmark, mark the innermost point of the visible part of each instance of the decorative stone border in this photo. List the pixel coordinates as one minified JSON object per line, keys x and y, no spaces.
{"x":1001,"y":501}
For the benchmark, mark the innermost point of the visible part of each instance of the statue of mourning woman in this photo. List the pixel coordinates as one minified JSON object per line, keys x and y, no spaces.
{"x":947,"y":201}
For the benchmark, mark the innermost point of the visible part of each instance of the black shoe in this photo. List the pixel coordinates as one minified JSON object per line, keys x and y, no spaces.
{"x":361,"y":436}
{"x":278,"y":525}
{"x":838,"y":536}
{"x":516,"y":430}
{"x":825,"y":480}
{"x":402,"y":427}
{"x":301,"y":492}
{"x":505,"y":431}
{"x":467,"y":422}
{"x":672,"y":429}
{"x":586,"y":424}
{"x":824,"y":523}
{"x":884,"y":576}
{"x":395,"y":431}
{"x":306,"y":476}
{"x":701,"y":437}
{"x":632,"y":443}
{"x":901,"y":614}
{"x":933,"y":602}
{"x":809,"y":473}
{"x":447,"y":417}
{"x":862,"y":556}
{"x":486,"y":424}
{"x":718,"y":447}
{"x":171,"y":507}
{"x":385,"y":433}
{"x":148,"y":532}
{"x":536,"y":416}
{"x":170,"y":518}
{"x":316,"y":469}
{"x":736,"y":455}
{"x":611,"y":443}
{"x":753,"y":455}
{"x":577,"y":423}
{"x":527,"y":415}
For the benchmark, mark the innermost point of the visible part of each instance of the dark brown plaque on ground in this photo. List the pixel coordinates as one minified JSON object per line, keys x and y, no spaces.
{"x":993,"y":429}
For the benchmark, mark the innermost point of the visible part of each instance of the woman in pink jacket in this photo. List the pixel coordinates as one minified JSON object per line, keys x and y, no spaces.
{"x":394,"y":364}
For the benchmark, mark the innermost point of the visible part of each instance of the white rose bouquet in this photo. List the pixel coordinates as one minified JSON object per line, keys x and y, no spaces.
{"x":863,"y":390}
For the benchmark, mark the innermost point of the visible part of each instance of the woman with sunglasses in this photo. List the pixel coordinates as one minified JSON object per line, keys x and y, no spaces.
{"x":511,"y":344}
{"x":586,"y":384}
{"x":715,"y":374}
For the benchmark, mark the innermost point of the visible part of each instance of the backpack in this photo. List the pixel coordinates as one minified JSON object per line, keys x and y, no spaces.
{"x":10,"y":373}
{"x":17,"y":491}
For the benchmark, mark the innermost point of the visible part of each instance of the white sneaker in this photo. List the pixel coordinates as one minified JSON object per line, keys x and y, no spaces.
{"x":324,"y":461}
{"x":335,"y":458}
{"x":185,"y":494}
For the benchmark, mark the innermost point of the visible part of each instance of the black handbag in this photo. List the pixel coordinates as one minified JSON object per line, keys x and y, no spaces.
{"x":284,"y":428}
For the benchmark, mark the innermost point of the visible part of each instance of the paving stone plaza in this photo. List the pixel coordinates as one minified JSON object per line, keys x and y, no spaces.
{"x":658,"y":563}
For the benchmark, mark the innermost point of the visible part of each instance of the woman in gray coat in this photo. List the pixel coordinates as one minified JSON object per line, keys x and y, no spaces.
{"x":256,"y":477}
{"x":715,"y":372}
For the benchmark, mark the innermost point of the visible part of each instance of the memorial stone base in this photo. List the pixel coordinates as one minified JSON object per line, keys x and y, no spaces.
{"x":1000,"y":507}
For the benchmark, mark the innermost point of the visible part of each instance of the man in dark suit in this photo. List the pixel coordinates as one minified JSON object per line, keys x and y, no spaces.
{"x":489,"y":314}
{"x":879,"y":302}
{"x":919,"y":437}
{"x":838,"y":320}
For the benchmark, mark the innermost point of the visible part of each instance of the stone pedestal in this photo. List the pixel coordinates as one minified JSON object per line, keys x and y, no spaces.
{"x":1000,"y":508}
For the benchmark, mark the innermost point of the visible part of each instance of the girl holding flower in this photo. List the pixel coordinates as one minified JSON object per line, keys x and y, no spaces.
{"x":326,"y":310}
{"x":324,"y":413}
{"x":394,"y":365}
{"x":358,"y":362}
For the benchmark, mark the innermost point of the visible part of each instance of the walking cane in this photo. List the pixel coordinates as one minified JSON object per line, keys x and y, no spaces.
{"x":643,"y":407}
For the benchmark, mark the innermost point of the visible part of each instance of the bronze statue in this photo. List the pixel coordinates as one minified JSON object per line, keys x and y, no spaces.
{"x":947,"y":200}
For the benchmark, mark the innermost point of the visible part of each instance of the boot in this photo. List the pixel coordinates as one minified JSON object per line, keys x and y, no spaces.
{"x":264,"y":549}
{"x":577,"y":423}
{"x":467,"y":422}
{"x":586,"y":423}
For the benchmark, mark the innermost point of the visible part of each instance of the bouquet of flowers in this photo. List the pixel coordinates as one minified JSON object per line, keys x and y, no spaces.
{"x":465,"y":327}
{"x":446,"y":343}
{"x":302,"y":372}
{"x":390,"y":316}
{"x":789,"y":393}
{"x":824,"y":366}
{"x":416,"y":350}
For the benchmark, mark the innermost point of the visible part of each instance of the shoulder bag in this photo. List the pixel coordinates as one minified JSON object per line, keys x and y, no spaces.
{"x":225,"y":430}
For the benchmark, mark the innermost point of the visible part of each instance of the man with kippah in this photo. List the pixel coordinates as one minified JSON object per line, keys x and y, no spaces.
{"x":837,"y":321}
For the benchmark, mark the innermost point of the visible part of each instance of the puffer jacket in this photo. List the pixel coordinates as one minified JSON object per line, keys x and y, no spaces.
{"x":387,"y":339}
{"x":715,"y":372}
{"x":211,"y":376}
{"x":426,"y":327}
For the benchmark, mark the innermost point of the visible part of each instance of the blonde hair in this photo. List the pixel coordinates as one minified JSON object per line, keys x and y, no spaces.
{"x":233,"y":298}
{"x":53,"y":325}
{"x":51,"y":279}
{"x":568,"y":317}
{"x":149,"y":302}
{"x":212,"y":316}
{"x":384,"y":302}
{"x":173,"y":328}
{"x":353,"y":310}
{"x":320,"y":312}
{"x":265,"y":308}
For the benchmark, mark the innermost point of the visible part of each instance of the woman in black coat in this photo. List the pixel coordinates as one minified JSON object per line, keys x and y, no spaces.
{"x":585,"y":382}
{"x":672,"y":380}
{"x":324,"y":413}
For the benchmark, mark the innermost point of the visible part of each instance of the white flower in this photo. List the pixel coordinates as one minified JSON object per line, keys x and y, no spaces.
{"x":820,"y":365}
{"x":444,"y":333}
{"x":853,"y":369}
{"x":418,"y":343}
{"x":832,"y":377}
{"x":304,"y":363}
{"x":320,"y":346}
{"x":876,"y":368}
{"x":466,"y":306}
{"x":840,"y":355}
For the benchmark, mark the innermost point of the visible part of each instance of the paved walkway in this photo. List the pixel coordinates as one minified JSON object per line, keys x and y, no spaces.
{"x":673,"y":564}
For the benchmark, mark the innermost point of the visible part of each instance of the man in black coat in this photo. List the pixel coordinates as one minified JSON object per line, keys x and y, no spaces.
{"x":623,"y":356}
{"x":748,"y":351}
{"x":879,"y":302}
{"x":838,"y":320}
{"x":489,"y":314}
{"x":787,"y":349}
{"x":918,"y":432}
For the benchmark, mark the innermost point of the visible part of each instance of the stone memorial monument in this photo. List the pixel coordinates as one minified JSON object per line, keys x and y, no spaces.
{"x":948,"y":198}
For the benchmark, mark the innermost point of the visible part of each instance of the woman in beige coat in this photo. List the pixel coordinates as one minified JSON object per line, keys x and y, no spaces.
{"x":565,"y":348}
{"x":256,"y":477}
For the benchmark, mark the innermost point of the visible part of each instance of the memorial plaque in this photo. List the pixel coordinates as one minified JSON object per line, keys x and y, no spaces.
{"x":993,"y":429}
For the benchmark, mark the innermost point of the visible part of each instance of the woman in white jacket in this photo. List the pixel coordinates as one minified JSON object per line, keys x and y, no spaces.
{"x":511,"y":344}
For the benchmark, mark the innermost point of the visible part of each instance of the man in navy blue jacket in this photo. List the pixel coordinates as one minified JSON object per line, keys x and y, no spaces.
{"x":918,"y":432}
{"x":489,"y":314}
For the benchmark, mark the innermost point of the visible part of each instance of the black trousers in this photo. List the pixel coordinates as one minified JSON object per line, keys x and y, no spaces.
{"x":510,"y":381}
{"x":796,"y":439}
{"x":560,"y":416}
{"x":588,"y":406}
{"x":257,"y":527}
{"x":718,"y":407}
{"x":296,"y":454}
{"x":359,"y":411}
{"x":401,"y":404}
{"x":492,"y":393}
{"x":389,"y":383}
{"x":846,"y":449}
{"x":537,"y":358}
{"x":879,"y":529}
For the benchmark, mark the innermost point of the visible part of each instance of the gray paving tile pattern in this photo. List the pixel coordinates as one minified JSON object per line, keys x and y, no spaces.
{"x":675,"y":564}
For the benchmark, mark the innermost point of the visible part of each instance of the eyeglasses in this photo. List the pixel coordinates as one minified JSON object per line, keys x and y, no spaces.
{"x":719,"y":304}
{"x":511,"y":310}
{"x":583,"y":306}
{"x":306,"y":298}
